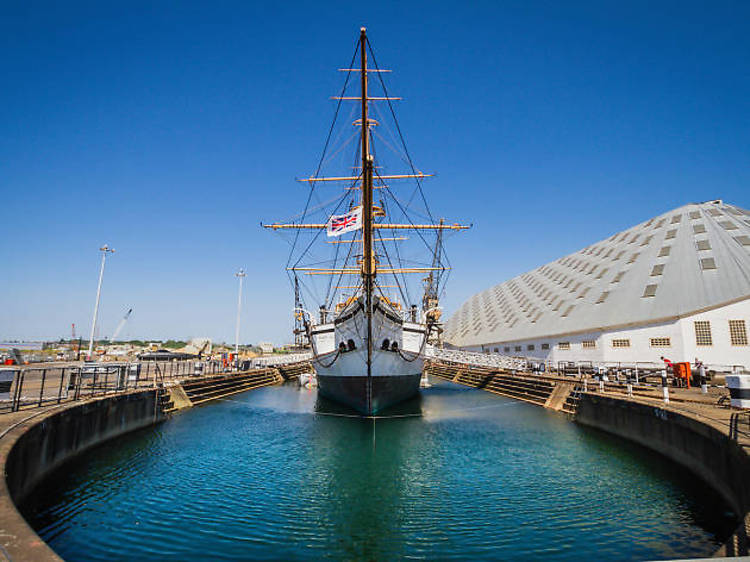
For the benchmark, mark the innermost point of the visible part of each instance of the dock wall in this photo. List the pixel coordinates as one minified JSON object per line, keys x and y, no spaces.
{"x":36,"y":445}
{"x":703,"y":449}
{"x":693,"y":441}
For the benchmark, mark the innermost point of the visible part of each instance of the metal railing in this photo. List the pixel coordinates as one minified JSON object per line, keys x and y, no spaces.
{"x":478,"y":359}
{"x":739,"y":425}
{"x":278,"y":360}
{"x":30,"y":387}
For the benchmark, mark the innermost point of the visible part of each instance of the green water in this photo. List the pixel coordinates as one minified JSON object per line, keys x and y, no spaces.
{"x":276,"y":473}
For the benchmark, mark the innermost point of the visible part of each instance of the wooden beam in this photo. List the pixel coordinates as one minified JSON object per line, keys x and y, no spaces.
{"x":379,"y":177}
{"x":352,"y":98}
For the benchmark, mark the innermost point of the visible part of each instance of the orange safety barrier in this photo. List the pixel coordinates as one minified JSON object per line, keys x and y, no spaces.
{"x":682,"y":371}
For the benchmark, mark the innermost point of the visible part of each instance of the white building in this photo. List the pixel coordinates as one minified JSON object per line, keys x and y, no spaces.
{"x":676,"y":286}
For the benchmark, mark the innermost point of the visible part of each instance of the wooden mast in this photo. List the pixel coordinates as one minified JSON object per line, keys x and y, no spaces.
{"x":368,"y":259}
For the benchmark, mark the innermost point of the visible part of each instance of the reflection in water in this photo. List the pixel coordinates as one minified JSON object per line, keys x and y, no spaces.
{"x":455,"y":473}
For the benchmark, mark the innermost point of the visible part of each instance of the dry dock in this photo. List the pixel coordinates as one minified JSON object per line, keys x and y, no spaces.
{"x":693,"y":429}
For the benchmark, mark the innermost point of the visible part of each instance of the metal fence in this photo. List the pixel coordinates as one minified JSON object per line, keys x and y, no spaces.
{"x":616,"y":369}
{"x":739,"y":425}
{"x":278,"y":360}
{"x":475,"y":358}
{"x":29,"y":387}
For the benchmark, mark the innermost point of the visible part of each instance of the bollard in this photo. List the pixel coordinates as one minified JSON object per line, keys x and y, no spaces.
{"x":585,"y":385}
{"x":601,"y":385}
{"x":629,"y":380}
{"x":664,"y":386}
{"x":636,"y":374}
{"x":702,"y":372}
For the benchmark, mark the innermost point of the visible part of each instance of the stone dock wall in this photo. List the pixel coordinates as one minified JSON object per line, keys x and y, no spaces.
{"x":34,"y":443}
{"x":695,"y":439}
{"x":34,"y":446}
{"x":703,"y":449}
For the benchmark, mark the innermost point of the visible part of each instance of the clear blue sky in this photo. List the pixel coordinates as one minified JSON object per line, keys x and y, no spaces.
{"x":169,"y":131}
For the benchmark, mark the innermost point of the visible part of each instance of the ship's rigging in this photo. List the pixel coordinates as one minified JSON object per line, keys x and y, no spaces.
{"x":398,"y":235}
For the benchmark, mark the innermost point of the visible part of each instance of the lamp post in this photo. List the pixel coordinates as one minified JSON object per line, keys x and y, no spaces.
{"x":240,"y":275}
{"x":104,"y":250}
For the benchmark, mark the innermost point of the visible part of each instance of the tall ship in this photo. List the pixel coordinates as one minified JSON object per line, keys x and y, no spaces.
{"x":373,"y":262}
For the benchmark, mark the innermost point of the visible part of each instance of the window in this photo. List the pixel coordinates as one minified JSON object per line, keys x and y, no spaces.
{"x":602,"y":272}
{"x":671,"y":234}
{"x":618,"y":256}
{"x":703,"y":245}
{"x":657,"y":270}
{"x":695,"y":215}
{"x":699,"y":228}
{"x":507,"y":349}
{"x":743,"y":240}
{"x":530,"y":347}
{"x":497,"y":350}
{"x":633,"y":258}
{"x":646,"y":241}
{"x":563,"y":345}
{"x":737,"y":332}
{"x":618,"y":277}
{"x":602,"y":297}
{"x":728,"y":225}
{"x":621,"y":343}
{"x":517,"y":348}
{"x":664,"y":251}
{"x":588,"y":344}
{"x":650,"y":291}
{"x":545,"y":346}
{"x":703,"y":332}
{"x":661,"y":342}
{"x":567,"y":311}
{"x":708,"y":263}
{"x":676,"y":219}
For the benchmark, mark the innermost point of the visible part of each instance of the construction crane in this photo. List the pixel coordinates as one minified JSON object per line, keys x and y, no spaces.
{"x":120,"y":325}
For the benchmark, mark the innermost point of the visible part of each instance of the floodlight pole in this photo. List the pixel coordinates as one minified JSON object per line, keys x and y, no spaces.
{"x":240,"y":275}
{"x":104,"y":250}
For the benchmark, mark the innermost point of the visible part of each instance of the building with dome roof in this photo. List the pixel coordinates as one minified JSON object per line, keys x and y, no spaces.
{"x":675,"y":286}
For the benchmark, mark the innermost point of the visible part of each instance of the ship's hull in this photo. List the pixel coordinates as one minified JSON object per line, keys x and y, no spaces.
{"x":395,"y":365}
{"x":394,"y":380}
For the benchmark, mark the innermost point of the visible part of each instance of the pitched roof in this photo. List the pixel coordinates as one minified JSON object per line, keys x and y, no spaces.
{"x":693,"y":258}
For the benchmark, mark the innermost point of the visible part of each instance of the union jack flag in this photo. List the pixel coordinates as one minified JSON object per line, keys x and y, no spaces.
{"x":340,"y":224}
